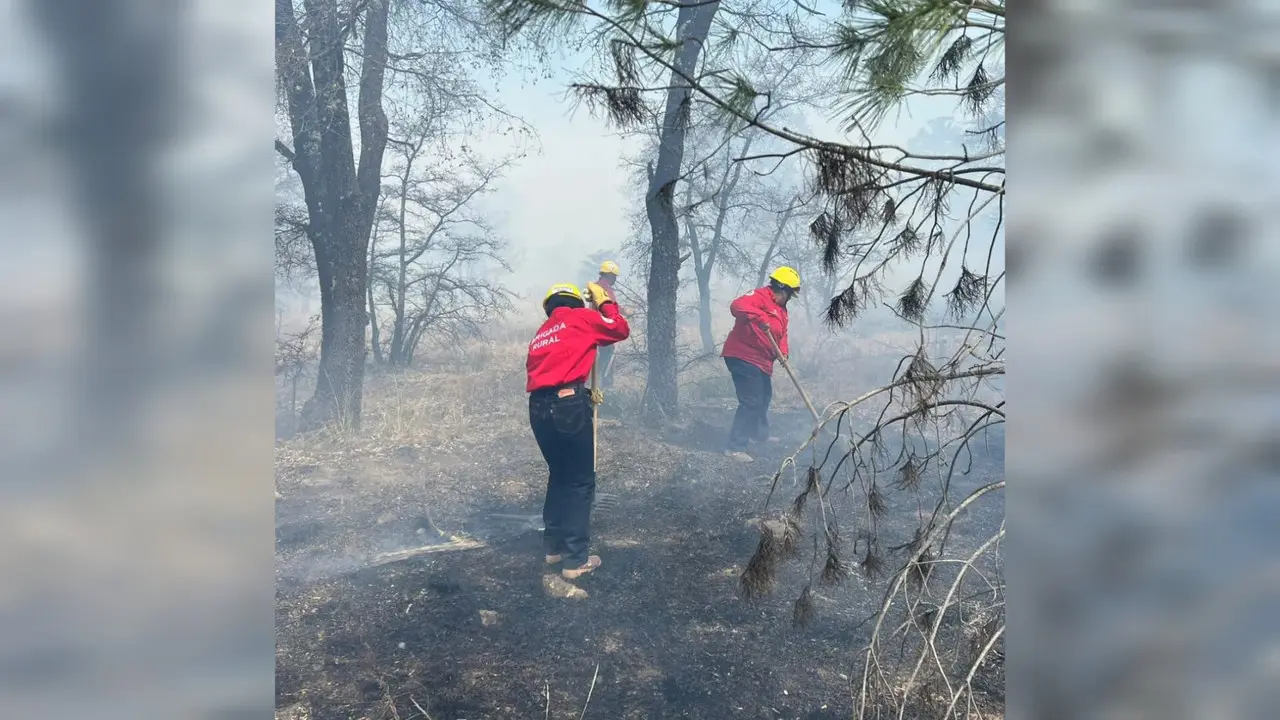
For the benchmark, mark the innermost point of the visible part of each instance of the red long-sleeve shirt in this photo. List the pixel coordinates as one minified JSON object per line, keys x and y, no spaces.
{"x":746,"y":340}
{"x":564,"y":350}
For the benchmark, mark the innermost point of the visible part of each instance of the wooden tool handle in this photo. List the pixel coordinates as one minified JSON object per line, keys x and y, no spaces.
{"x":787,"y":366}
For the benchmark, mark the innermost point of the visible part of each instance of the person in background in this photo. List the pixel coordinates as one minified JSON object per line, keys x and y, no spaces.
{"x":560,"y":359}
{"x":609,"y":272}
{"x":749,"y":354}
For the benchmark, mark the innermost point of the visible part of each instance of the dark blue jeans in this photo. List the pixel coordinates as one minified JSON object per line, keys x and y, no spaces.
{"x":562,"y":427}
{"x":754,"y":388}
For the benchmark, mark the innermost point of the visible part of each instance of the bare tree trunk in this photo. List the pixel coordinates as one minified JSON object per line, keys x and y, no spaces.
{"x":399,"y":341}
{"x":762,"y":275}
{"x":414,"y":338}
{"x":704,"y":268}
{"x":395,"y":356}
{"x":704,"y":313}
{"x":693,"y":24}
{"x":374,"y":339}
{"x":400,"y":325}
{"x":341,"y":197}
{"x":701,"y":272}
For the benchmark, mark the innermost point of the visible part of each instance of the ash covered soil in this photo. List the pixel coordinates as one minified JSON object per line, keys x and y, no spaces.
{"x":472,"y":633}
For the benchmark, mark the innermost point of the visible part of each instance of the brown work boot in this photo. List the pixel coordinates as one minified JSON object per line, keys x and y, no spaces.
{"x":553,"y":559}
{"x":592,"y":563}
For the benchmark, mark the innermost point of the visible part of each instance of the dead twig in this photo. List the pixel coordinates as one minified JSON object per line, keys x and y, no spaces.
{"x":425,"y":714}
{"x":589,"y":691}
{"x":900,"y":579}
{"x":973,"y":670}
{"x":937,"y":621}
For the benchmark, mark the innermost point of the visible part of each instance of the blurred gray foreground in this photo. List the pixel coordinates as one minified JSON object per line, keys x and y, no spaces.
{"x":135,"y":389}
{"x":1145,"y":437}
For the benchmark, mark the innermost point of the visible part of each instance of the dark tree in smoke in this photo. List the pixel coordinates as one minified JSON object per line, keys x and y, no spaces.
{"x":411,"y":50}
{"x":341,"y":195}
{"x":693,"y":25}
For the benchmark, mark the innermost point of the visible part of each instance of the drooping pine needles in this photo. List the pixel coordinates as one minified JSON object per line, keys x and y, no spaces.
{"x":834,"y":570}
{"x":913,"y":301}
{"x":908,"y":241}
{"x":968,"y":293}
{"x":826,"y":231}
{"x":812,"y":482}
{"x":761,"y":572}
{"x":920,"y":569}
{"x":803,"y":611}
{"x":922,"y":379}
{"x":624,"y":106}
{"x":872,"y":564}
{"x":779,"y":540}
{"x":909,"y":474}
{"x":876,"y":505}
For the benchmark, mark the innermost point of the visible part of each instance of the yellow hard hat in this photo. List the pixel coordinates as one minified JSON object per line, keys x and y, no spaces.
{"x":609,"y":267}
{"x":562,"y":289}
{"x":788,"y":277}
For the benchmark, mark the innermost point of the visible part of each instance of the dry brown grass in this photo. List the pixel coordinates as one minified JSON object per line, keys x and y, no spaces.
{"x":460,"y":398}
{"x":457,"y":406}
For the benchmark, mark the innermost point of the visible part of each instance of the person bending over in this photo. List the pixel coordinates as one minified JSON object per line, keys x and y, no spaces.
{"x":749,"y":355}
{"x":560,"y":358}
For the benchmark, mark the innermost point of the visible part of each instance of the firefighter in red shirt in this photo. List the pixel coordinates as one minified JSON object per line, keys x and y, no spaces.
{"x":560,"y":359}
{"x":750,"y":356}
{"x":609,"y":272}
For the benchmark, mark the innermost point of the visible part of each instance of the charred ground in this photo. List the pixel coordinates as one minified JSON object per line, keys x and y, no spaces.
{"x":472,"y":633}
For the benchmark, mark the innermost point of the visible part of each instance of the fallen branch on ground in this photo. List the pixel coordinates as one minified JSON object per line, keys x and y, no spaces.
{"x":457,"y":543}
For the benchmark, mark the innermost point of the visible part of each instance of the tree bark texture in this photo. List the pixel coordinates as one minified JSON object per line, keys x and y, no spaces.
{"x":375,"y":340}
{"x":662,"y":399}
{"x":341,"y":197}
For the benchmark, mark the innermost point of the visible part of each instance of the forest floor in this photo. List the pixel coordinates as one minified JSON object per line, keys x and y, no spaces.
{"x":472,"y":631}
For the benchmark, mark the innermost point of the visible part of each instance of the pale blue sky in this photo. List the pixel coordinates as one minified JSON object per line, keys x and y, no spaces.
{"x":572,"y":199}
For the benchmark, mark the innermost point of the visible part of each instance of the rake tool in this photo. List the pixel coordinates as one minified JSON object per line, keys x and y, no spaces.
{"x":602,"y":500}
{"x":595,"y":412}
{"x":609,"y":365}
{"x":790,"y":373}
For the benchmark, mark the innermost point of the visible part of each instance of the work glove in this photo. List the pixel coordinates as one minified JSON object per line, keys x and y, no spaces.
{"x":597,"y":397}
{"x":598,"y":295}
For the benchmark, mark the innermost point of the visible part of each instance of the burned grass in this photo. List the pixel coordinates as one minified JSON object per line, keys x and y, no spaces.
{"x":475,"y":632}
